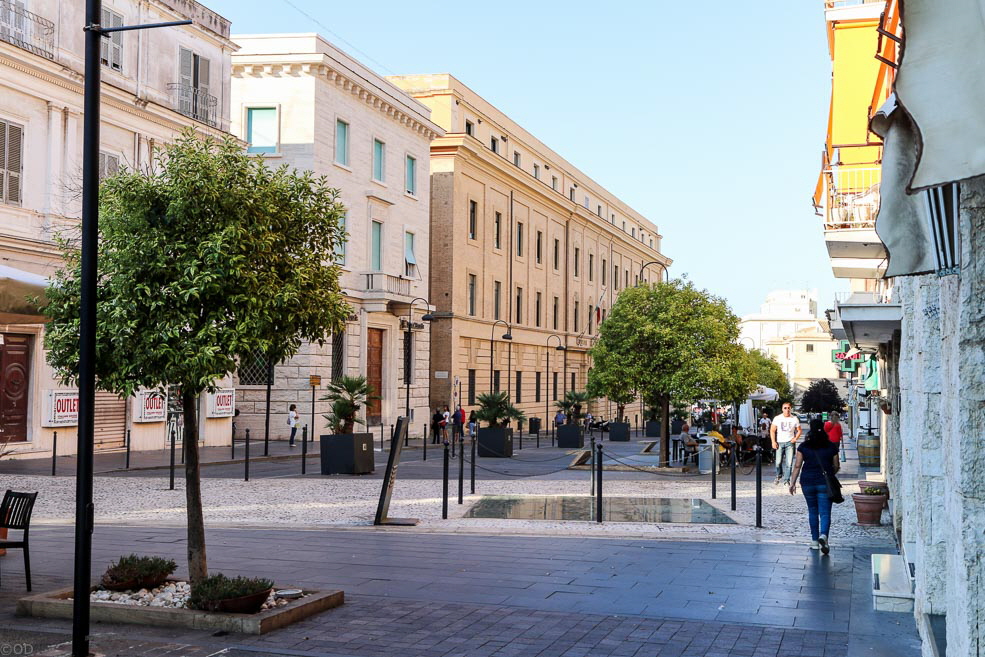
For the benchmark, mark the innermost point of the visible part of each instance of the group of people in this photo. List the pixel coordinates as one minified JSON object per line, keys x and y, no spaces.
{"x":442,"y":418}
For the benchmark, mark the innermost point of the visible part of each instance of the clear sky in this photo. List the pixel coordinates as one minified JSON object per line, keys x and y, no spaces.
{"x":706,"y":117}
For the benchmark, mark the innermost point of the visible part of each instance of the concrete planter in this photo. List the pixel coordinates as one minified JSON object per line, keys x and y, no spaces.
{"x":868,"y":509}
{"x":619,"y":432}
{"x":58,"y":604}
{"x":570,"y":436}
{"x":347,"y":453}
{"x":653,"y":428}
{"x":495,"y":442}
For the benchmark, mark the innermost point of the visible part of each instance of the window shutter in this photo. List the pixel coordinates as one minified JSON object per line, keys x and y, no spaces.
{"x":107,"y":20}
{"x":185,"y":66}
{"x":203,"y":75}
{"x":14,"y":153}
{"x":116,"y":44}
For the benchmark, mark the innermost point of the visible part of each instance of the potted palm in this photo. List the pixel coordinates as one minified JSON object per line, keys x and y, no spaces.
{"x":495,"y":412}
{"x":344,"y":451}
{"x":571,"y":434}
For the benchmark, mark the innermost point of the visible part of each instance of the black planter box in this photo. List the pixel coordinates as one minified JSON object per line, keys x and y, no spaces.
{"x":653,"y":428}
{"x":570,"y":436}
{"x":619,"y":432}
{"x":347,"y":453}
{"x":675,"y":427}
{"x":495,"y":442}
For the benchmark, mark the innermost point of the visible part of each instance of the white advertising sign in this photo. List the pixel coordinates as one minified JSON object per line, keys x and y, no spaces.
{"x":222,"y":403}
{"x":150,"y":406}
{"x":60,"y":408}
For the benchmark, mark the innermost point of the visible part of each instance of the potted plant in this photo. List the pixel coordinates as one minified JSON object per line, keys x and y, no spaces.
{"x":652,"y":425}
{"x":344,"y":451}
{"x":496,"y":411}
{"x":571,"y":434}
{"x":881,"y":487}
{"x":619,"y":428}
{"x":868,"y":506}
{"x":131,"y":573}
{"x":238,"y":595}
{"x":607,"y":378}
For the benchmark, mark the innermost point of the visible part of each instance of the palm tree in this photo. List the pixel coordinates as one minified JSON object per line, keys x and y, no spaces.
{"x":348,"y":394}
{"x":495,"y":409}
{"x":572,"y":404}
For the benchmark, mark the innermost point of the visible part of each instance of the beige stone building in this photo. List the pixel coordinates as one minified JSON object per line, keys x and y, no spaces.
{"x":300,"y":101}
{"x":805,"y":357}
{"x":521,"y":236}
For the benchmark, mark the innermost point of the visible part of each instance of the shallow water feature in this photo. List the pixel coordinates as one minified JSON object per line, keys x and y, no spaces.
{"x":582,"y":507}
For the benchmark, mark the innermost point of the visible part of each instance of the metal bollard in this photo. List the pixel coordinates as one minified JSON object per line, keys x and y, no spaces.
{"x":247,"y":461}
{"x":759,"y":486}
{"x":552,"y":432}
{"x":453,"y":443}
{"x":538,"y":437}
{"x":472,"y":465}
{"x":304,"y":449}
{"x":424,"y":442}
{"x":128,"y":450}
{"x":173,"y":438}
{"x":591,"y":466}
{"x":232,"y":445}
{"x":598,"y":484}
{"x":714,"y":469}
{"x":521,"y":436}
{"x":407,"y":436}
{"x":182,"y":449}
{"x":461,"y":473}
{"x":734,"y":450}
{"x":54,"y":452}
{"x":391,"y":436}
{"x":444,"y":486}
{"x":382,"y":447}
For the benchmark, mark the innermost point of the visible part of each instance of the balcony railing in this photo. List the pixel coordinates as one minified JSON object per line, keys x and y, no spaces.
{"x":194,"y":103}
{"x":837,"y":4}
{"x":27,"y":30}
{"x":853,"y":197}
{"x":387,"y":283}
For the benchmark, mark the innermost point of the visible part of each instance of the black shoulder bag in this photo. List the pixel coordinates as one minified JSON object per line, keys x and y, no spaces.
{"x":834,"y":486}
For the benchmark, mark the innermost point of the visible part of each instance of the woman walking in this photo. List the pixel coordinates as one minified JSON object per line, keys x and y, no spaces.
{"x":814,"y":456}
{"x":473,"y":424}
{"x":292,"y":421}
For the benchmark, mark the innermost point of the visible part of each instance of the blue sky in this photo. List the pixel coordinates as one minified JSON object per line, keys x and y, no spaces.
{"x":708,"y":118}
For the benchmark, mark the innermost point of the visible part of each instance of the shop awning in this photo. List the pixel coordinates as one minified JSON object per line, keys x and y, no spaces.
{"x":17,"y":288}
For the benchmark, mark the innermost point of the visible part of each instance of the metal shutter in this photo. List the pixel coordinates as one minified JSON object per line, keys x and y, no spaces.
{"x":110,"y":421}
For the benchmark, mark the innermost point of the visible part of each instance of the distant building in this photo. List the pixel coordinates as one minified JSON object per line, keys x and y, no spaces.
{"x":783,"y":314}
{"x":805,"y":357}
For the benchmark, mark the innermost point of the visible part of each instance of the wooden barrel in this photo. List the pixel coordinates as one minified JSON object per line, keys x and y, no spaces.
{"x":868,"y":451}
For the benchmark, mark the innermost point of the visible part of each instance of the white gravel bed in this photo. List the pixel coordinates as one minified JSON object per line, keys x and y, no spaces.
{"x":169,"y":594}
{"x":341,"y":503}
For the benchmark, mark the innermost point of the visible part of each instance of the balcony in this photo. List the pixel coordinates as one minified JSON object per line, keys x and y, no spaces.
{"x":852,"y":196}
{"x":866,"y":319}
{"x":385,"y":292}
{"x":194,"y":102}
{"x":24,"y":29}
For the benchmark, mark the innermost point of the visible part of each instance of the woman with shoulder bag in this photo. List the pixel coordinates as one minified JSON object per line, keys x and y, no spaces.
{"x":816,"y":465}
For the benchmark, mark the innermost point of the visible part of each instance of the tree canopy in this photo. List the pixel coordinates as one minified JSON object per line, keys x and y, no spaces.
{"x":769,"y":373}
{"x":821,"y":397}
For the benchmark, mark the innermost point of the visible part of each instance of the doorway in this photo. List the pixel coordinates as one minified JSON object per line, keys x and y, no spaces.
{"x":374,"y":375}
{"x":15,"y":370}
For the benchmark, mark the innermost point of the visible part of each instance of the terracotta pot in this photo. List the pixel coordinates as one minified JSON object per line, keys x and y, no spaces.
{"x":868,"y":508}
{"x":247,"y":604}
{"x":882,"y":485}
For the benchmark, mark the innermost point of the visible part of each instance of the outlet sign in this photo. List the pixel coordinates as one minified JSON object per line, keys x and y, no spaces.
{"x":60,"y":408}
{"x":222,"y":403}
{"x":150,"y":406}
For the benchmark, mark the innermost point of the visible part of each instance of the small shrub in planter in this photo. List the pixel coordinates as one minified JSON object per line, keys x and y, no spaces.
{"x":133,"y":572}
{"x":243,"y":595}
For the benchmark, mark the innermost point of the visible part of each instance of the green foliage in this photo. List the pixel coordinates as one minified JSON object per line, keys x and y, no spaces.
{"x":210,"y":591}
{"x":874,"y":490}
{"x":495,"y":409}
{"x":138,"y":569}
{"x":572,"y":403}
{"x":606,"y":379}
{"x":769,"y":373}
{"x":208,"y":257}
{"x":821,"y":397}
{"x":348,"y":394}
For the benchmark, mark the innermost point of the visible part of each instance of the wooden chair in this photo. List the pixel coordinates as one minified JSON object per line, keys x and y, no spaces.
{"x":15,"y":513}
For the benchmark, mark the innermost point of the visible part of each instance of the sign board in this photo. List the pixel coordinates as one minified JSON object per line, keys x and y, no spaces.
{"x":60,"y":408}
{"x":844,"y":361}
{"x":441,"y":374}
{"x":150,"y":406}
{"x":222,"y":403}
{"x":390,"y":478}
{"x":314,"y":380}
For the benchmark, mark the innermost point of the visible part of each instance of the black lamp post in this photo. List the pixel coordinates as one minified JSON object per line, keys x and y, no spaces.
{"x":492,"y":347}
{"x":653,"y":262}
{"x":410,"y":319}
{"x":559,"y":347}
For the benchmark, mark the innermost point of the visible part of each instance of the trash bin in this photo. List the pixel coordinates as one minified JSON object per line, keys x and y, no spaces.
{"x":706,"y":455}
{"x":533,"y":425}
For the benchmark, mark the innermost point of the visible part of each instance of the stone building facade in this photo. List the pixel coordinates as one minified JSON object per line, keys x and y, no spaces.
{"x":155,"y":83}
{"x":300,"y":101}
{"x":520,"y":239}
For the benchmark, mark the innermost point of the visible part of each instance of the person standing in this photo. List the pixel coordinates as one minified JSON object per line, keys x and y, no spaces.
{"x":445,"y":420}
{"x":458,"y":423}
{"x":473,"y":424}
{"x":560,"y":419}
{"x":292,"y":421}
{"x":833,"y":428}
{"x":816,"y":455}
{"x":784,"y":434}
{"x":436,"y":420}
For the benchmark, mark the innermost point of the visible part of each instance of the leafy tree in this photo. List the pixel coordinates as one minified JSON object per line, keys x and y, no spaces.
{"x":821,"y":397}
{"x":672,"y":341}
{"x":347,"y":394}
{"x":495,"y":409}
{"x":205,"y":258}
{"x":769,"y":373}
{"x":606,"y":380}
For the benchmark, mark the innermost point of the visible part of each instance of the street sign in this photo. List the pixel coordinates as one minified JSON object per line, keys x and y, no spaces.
{"x":314,"y":380}
{"x":846,"y":362}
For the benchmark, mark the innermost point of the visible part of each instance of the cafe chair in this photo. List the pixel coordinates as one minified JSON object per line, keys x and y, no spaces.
{"x":15,"y":513}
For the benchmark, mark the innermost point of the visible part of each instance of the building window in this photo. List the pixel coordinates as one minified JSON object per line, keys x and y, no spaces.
{"x":497,"y":231}
{"x":537,"y":310}
{"x":537,"y":172}
{"x":408,"y":357}
{"x":338,"y":355}
{"x":379,"y":160}
{"x":651,"y":242}
{"x":109,"y":165}
{"x":519,"y":239}
{"x":586,"y":203}
{"x":577,"y":259}
{"x":411,"y":176}
{"x":494,"y":144}
{"x":496,"y":381}
{"x":410,"y":261}
{"x":473,"y":218}
{"x":555,"y":313}
{"x":632,"y":232}
{"x":253,"y":369}
{"x":604,"y":270}
{"x":591,"y":267}
{"x":342,"y":142}
{"x":554,"y":183}
{"x":11,"y":163}
{"x":537,"y":382}
{"x":554,"y":396}
{"x":576,"y":317}
{"x":519,"y":305}
{"x":519,"y":387}
{"x":194,"y":99}
{"x":471,"y":392}
{"x":624,"y":226}
{"x":590,"y":320}
{"x":470,"y":128}
{"x":261,"y":129}
{"x":540,"y":246}
{"x":810,"y":348}
{"x":572,"y":381}
{"x":599,"y":211}
{"x":615,"y":276}
{"x":472,"y":286}
{"x":627,"y":278}
{"x":557,"y":254}
{"x":376,"y":247}
{"x":516,"y":158}
{"x":111,"y":45}
{"x":497,"y":293}
{"x":571,"y":193}
{"x":340,"y":247}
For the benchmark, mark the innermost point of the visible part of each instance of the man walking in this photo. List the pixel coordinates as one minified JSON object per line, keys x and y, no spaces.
{"x":784,"y":434}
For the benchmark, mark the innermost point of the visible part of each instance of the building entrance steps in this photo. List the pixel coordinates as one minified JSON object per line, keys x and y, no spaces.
{"x":892,"y":587}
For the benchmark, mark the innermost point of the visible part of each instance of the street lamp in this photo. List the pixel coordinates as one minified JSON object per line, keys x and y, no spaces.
{"x":410,"y":320}
{"x":653,"y":262}
{"x":492,"y":346}
{"x":547,"y":397}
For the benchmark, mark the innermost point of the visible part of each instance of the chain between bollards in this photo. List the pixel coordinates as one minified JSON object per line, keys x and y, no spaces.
{"x":128,"y":450}
{"x":246,"y":474}
{"x":173,"y":438}
{"x":759,"y":486}
{"x":54,"y":452}
{"x":444,"y":485}
{"x":598,"y":484}
{"x":735,"y":449}
{"x":304,"y":449}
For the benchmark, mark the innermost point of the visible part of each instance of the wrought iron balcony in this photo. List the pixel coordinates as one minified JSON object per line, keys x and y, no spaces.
{"x":194,"y":102}
{"x":27,"y":30}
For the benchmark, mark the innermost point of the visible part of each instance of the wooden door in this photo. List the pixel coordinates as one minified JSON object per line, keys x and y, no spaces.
{"x":15,"y":364}
{"x":374,"y":374}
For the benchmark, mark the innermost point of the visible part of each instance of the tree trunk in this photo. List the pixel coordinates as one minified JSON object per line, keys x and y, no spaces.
{"x":197,"y":568}
{"x":665,"y":430}
{"x":620,"y":410}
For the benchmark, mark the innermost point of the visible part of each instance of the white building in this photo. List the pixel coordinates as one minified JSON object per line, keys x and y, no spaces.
{"x":784,"y":313}
{"x":300,"y":101}
{"x":155,"y":83}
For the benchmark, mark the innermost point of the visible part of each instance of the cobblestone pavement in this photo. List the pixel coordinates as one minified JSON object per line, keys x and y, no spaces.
{"x":471,"y":595}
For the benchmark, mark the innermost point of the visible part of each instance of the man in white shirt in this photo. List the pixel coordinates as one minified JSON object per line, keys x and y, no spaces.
{"x":784,"y":434}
